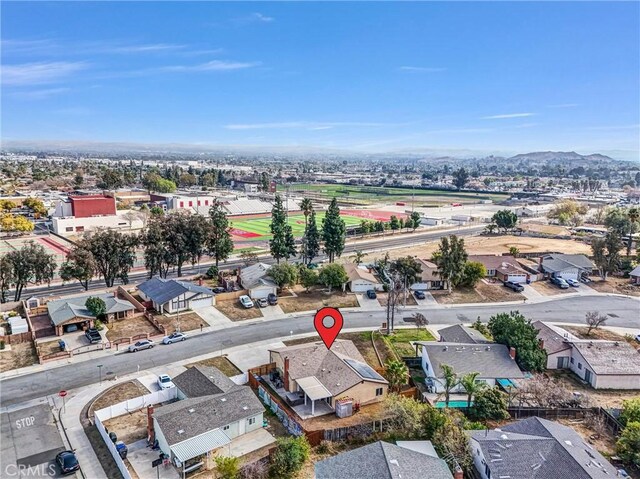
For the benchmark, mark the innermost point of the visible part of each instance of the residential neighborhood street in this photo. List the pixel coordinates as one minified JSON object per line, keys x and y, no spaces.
{"x":622,"y":312}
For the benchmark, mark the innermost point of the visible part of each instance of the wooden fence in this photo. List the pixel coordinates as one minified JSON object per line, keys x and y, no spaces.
{"x":563,"y":413}
{"x":17,"y":338}
{"x":231,"y":295}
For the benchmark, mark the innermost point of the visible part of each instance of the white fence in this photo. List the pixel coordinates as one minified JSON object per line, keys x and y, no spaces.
{"x":240,"y":379}
{"x":132,"y":405}
{"x":112,"y":448}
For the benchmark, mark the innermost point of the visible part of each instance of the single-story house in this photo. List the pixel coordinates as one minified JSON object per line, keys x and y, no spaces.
{"x":554,"y":341}
{"x":211,"y":412}
{"x":383,"y":460}
{"x":171,"y":295}
{"x":68,"y":312}
{"x":325,"y":375}
{"x":567,"y":266}
{"x":504,"y":268}
{"x":361,"y":279}
{"x":429,"y":278}
{"x":606,"y":364}
{"x":536,"y":448}
{"x":532,"y":211}
{"x":635,"y":275}
{"x":461,"y":334}
{"x":492,"y":361}
{"x":255,"y":279}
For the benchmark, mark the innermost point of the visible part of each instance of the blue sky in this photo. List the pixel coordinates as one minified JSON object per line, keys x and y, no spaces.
{"x":493,"y":76}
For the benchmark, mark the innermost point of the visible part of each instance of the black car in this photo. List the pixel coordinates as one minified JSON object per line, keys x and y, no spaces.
{"x":371,"y":294}
{"x":93,"y":335}
{"x":219,"y":289}
{"x":272,"y":299}
{"x":67,"y":462}
{"x":419,"y":295}
{"x":514,"y":286}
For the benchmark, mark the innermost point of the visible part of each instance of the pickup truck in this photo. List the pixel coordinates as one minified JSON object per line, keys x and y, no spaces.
{"x":93,"y":335}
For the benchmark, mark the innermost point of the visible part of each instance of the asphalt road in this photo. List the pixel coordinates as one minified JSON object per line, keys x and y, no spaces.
{"x":135,"y":277}
{"x":623,"y":312}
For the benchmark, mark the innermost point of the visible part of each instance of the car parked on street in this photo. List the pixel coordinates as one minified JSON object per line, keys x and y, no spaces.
{"x":572,"y":282}
{"x":140,"y":345}
{"x":165,"y":382}
{"x":93,"y":335}
{"x":419,"y":294}
{"x":517,"y":287}
{"x":245,"y":301}
{"x":174,"y":337}
{"x":273,"y":299}
{"x":67,"y":462}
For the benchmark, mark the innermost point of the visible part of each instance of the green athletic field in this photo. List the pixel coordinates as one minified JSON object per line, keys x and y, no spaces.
{"x":261,"y":226}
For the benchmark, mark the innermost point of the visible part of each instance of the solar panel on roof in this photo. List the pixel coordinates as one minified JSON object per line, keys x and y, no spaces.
{"x":364,"y":370}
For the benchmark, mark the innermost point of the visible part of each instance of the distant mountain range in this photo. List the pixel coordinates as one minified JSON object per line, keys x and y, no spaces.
{"x":559,"y":156}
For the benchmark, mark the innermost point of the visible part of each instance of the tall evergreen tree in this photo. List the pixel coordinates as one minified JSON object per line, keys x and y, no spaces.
{"x":282,"y":243}
{"x":220,"y":243}
{"x":451,"y":258}
{"x":334,"y":231}
{"x":311,"y":239}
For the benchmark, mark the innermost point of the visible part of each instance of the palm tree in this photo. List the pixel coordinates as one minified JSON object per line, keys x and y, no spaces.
{"x":357,"y":259}
{"x":450,"y":381}
{"x":306,"y":205}
{"x":468,"y":382}
{"x":397,"y":373}
{"x":634,"y":215}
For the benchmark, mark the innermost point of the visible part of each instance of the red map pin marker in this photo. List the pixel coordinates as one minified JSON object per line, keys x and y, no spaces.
{"x":328,"y":333}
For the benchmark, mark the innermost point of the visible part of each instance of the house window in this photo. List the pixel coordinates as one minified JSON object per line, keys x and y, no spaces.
{"x":69,"y":228}
{"x":252,"y":420}
{"x":579,"y":365}
{"x":198,"y":202}
{"x":182,"y":204}
{"x":206,"y":202}
{"x":379,"y":391}
{"x":225,"y":428}
{"x":79,"y":228}
{"x":190,"y":203}
{"x":571,"y":360}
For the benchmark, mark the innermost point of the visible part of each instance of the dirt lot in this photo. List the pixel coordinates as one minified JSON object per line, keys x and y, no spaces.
{"x":119,"y":393}
{"x":126,"y":328}
{"x":615,"y":285}
{"x":606,"y":398}
{"x":48,"y":347}
{"x":188,"y":322}
{"x":482,"y":293}
{"x":362,"y":341}
{"x":549,"y":289}
{"x":129,"y":427}
{"x":316,"y":299}
{"x":545,"y":229}
{"x":581,"y":332}
{"x":233,"y":310}
{"x":496,"y":292}
{"x":222,"y":363}
{"x":603,"y":443}
{"x":20,"y":356}
{"x":492,"y":245}
{"x":383,"y":297}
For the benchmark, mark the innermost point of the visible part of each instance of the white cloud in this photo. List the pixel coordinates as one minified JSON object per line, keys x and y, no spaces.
{"x":142,"y":48}
{"x":262,"y":18}
{"x":507,"y":115}
{"x":39,"y":73}
{"x":422,"y":69}
{"x":614,"y":127}
{"x":214,"y":65}
{"x":459,"y":130}
{"x":310,"y":125}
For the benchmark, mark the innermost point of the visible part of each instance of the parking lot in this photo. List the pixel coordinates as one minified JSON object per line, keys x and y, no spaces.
{"x":29,"y":442}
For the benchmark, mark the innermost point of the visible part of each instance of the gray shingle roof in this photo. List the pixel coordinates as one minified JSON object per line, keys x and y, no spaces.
{"x":199,"y":381}
{"x":255,"y":275}
{"x":609,"y":357}
{"x":461,"y":334}
{"x":555,"y":263}
{"x":195,"y":416}
{"x":161,"y":290}
{"x":63,"y":310}
{"x":490,"y":360}
{"x":535,"y":448}
{"x":330,"y":367}
{"x":382,"y":460}
{"x":554,"y":342}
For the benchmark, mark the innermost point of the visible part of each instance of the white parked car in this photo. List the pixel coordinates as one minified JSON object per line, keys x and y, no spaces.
{"x":174,"y":337}
{"x":246,"y":301}
{"x":165,"y":382}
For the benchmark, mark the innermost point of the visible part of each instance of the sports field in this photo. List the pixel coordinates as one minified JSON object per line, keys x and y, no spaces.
{"x":259,"y":228}
{"x":367,"y":195}
{"x":52,"y":245}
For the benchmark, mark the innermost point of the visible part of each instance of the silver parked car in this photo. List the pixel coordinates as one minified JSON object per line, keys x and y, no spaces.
{"x":140,"y":345}
{"x":174,"y":337}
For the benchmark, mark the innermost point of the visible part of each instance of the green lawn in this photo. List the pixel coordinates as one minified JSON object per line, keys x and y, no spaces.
{"x":401,"y":338}
{"x":262,"y":226}
{"x":380,"y":193}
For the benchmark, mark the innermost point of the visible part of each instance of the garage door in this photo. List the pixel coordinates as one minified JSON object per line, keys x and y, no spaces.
{"x":201,"y":302}
{"x":518,"y":278}
{"x":258,"y":293}
{"x":360,"y":286}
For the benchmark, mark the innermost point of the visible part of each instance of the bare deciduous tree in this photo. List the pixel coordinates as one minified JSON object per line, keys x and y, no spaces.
{"x":594,"y":320}
{"x":420,"y":320}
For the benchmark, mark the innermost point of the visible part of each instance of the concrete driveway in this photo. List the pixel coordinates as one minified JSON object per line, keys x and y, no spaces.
{"x":250,"y":442}
{"x":272,"y":312}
